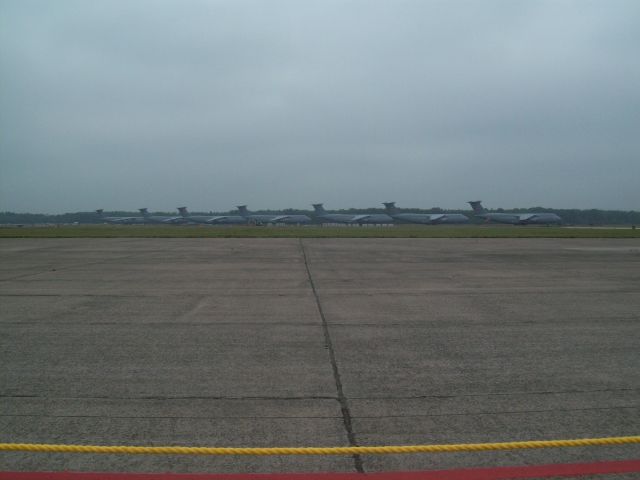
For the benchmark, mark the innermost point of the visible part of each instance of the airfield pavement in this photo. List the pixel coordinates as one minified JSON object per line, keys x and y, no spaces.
{"x":317,"y":342}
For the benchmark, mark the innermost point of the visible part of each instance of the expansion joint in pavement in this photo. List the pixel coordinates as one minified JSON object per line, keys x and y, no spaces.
{"x":68,"y":267}
{"x":172,"y":397}
{"x":342,"y":399}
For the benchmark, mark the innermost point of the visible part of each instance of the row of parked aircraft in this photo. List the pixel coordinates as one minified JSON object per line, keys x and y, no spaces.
{"x":392,"y":215}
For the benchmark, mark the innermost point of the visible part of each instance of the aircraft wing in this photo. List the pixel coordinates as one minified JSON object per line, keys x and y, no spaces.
{"x":124,"y":219}
{"x":217,"y":219}
{"x":437,"y":218}
{"x":359,"y":218}
{"x":174,"y":220}
{"x":527,"y":217}
{"x":279,"y":218}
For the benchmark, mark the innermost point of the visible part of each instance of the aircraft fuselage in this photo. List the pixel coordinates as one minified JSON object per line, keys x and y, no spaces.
{"x":371,"y":219}
{"x":164,"y":220}
{"x":522,"y":218}
{"x":335,"y":218}
{"x":429,"y":219}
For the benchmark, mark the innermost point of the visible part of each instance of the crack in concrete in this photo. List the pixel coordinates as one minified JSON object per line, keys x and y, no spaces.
{"x":499,"y":412}
{"x":359,"y":293}
{"x":491,"y":394}
{"x":163,"y":397}
{"x":174,"y":324}
{"x":261,"y":417}
{"x":179,"y":417}
{"x":159,"y":295}
{"x":342,"y":399}
{"x":298,"y":323}
{"x":66,"y":267}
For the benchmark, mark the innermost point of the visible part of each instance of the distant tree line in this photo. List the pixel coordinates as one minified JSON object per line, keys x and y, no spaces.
{"x":570,"y":216}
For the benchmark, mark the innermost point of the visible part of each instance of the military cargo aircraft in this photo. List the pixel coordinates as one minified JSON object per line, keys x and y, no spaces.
{"x":212,"y":219}
{"x":325,"y":217}
{"x":369,"y":218}
{"x":119,"y":220}
{"x":542,"y":218}
{"x":424,"y":218}
{"x":148,"y":218}
{"x":262,"y":219}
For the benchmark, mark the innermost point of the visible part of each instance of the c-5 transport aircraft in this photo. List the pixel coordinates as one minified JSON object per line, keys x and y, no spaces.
{"x":424,"y":218}
{"x":369,"y":218}
{"x":212,"y":219}
{"x":119,"y":220}
{"x":542,"y":218}
{"x":325,"y":217}
{"x":148,"y":218}
{"x":261,"y":219}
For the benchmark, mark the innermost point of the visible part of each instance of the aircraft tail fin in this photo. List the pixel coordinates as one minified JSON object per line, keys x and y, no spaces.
{"x":144,"y":212}
{"x":243,"y":210}
{"x":100,"y":212}
{"x":390,"y":207}
{"x":477,"y":206}
{"x":319,"y":208}
{"x":183,"y":211}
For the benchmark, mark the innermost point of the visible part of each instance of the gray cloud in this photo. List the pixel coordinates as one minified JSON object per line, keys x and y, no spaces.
{"x":278,"y":104}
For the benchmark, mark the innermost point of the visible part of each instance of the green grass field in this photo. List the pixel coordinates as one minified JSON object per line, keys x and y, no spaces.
{"x":399,"y":231}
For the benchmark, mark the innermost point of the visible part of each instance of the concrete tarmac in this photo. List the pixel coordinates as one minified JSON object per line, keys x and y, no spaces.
{"x":317,"y":342}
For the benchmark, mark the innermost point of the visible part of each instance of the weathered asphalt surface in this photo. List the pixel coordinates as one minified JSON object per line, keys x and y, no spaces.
{"x":319,"y":342}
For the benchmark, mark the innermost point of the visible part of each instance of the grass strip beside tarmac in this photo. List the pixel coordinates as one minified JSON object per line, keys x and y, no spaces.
{"x":396,"y":231}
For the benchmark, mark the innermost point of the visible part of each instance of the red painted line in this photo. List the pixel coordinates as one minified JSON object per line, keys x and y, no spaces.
{"x":497,"y":473}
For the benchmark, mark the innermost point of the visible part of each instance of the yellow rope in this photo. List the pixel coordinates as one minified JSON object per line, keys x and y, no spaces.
{"x":463,"y":447}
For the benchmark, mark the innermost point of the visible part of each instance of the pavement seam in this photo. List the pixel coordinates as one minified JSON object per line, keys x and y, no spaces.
{"x":477,"y":292}
{"x":501,"y":394}
{"x":342,"y":399}
{"x":446,"y":414}
{"x":68,"y":267}
{"x":181,"y":397}
{"x":178,"y":417}
{"x":501,"y":412}
{"x":315,"y":397}
{"x":172,"y":324}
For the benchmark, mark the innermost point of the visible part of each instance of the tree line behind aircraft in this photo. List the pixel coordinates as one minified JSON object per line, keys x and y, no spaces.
{"x":392,"y":216}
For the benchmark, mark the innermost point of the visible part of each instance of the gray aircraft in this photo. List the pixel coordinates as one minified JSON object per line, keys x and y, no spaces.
{"x":119,"y":220}
{"x":325,"y":217}
{"x":212,"y":219}
{"x":424,"y":218}
{"x":148,"y":218}
{"x":542,"y":218}
{"x":261,"y":219}
{"x":371,"y":219}
{"x":366,"y":218}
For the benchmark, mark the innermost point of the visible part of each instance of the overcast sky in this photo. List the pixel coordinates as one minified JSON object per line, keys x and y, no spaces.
{"x":126,"y":104}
